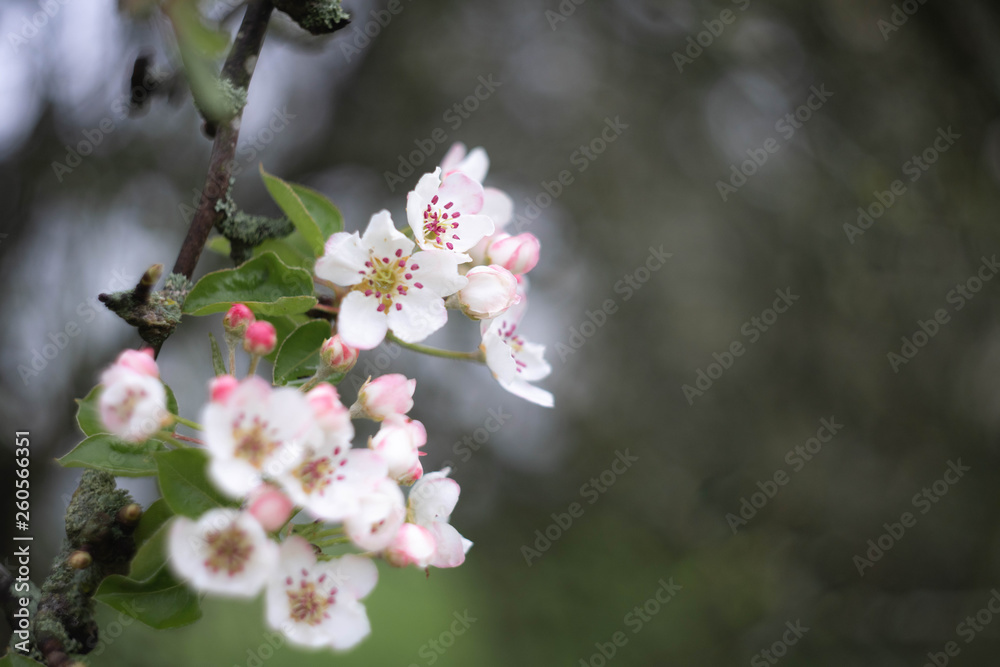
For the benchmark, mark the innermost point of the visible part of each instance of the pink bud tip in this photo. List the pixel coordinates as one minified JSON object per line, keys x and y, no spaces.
{"x":518,"y":254}
{"x":260,"y":338}
{"x":270,"y":507}
{"x":238,"y":318}
{"x":387,"y":396}
{"x":413,"y":545}
{"x":140,"y":361}
{"x":222,"y":387}
{"x":338,"y":355}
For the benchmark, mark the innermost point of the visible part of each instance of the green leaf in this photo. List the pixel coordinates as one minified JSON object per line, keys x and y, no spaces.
{"x":265,"y":284}
{"x":171,"y":400}
{"x":219,"y":244}
{"x":15,"y":659}
{"x":218,"y":365}
{"x":283,"y":326}
{"x":311,"y":213}
{"x":161,"y":601}
{"x":104,"y":451}
{"x":87,"y":415}
{"x":185,"y":485}
{"x":299,"y":353}
{"x":293,"y":250}
{"x":151,"y":540}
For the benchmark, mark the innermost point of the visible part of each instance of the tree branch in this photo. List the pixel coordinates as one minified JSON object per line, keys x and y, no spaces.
{"x":237,"y":71}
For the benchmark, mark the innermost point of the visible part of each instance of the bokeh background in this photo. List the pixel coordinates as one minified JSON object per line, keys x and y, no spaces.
{"x":353,"y":105}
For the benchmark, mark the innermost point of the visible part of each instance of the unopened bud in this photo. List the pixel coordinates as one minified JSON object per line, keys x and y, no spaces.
{"x":413,"y":545}
{"x":518,"y":254}
{"x":337,"y":355}
{"x":270,"y":507}
{"x":130,"y":514}
{"x":79,"y":560}
{"x":260,"y":339}
{"x":491,"y":290}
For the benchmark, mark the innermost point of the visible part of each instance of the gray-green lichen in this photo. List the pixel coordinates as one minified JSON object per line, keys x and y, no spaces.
{"x":154,"y":314}
{"x":64,"y":620}
{"x":246,"y":231}
{"x":320,"y":17}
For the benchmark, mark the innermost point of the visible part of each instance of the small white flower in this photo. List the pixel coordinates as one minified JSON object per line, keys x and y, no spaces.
{"x":444,"y":213}
{"x":133,"y":402}
{"x":515,"y":362}
{"x":225,"y":551}
{"x":413,"y":545}
{"x":431,"y":502}
{"x":393,"y":288}
{"x":256,"y":432}
{"x":386,"y":396}
{"x":331,"y":484}
{"x":317,"y":604}
{"x":381,"y":512}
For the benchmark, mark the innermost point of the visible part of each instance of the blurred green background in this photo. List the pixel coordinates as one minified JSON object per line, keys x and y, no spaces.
{"x":352,"y":106}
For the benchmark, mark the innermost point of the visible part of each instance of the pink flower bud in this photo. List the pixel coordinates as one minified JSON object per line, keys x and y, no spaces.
{"x":238,"y":319}
{"x":329,"y":411}
{"x":338,"y":355}
{"x":397,"y":443}
{"x":413,"y":545}
{"x":140,"y":361}
{"x":518,"y":254}
{"x":260,"y":338}
{"x":386,"y":395}
{"x":270,"y":507}
{"x":222,"y":387}
{"x":491,"y":290}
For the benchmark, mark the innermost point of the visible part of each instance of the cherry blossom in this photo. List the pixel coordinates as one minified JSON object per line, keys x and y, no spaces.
{"x":518,"y":254}
{"x":515,"y":362}
{"x":381,"y":512}
{"x":256,"y":431}
{"x":393,"y":288}
{"x":444,"y":213}
{"x":386,"y":396}
{"x":225,"y":551}
{"x":491,"y":291}
{"x":413,"y":545}
{"x":317,"y":604}
{"x":431,"y":502}
{"x":475,"y":164}
{"x":133,"y":402}
{"x":398,"y":443}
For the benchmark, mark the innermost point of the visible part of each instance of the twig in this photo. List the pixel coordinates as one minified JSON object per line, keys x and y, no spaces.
{"x":237,"y":71}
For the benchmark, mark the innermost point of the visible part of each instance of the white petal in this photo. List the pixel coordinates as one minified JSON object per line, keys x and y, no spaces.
{"x":499,"y":356}
{"x":360,"y":324}
{"x":234,"y":477}
{"x":450,"y":545}
{"x":438,"y":272}
{"x":349,"y":624}
{"x":529,"y":392}
{"x":414,"y":317}
{"x":354,"y":574}
{"x":343,"y":260}
{"x":476,"y":164}
{"x":499,"y":206}
{"x":532,"y":356}
{"x":433,"y":498}
{"x":382,"y":238}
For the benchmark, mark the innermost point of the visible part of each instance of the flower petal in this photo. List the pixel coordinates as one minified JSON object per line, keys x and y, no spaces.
{"x":414,"y":317}
{"x":383,"y":239}
{"x":343,"y":260}
{"x":360,"y":323}
{"x":499,"y":206}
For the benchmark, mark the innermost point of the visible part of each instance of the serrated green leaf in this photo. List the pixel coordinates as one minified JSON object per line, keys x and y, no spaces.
{"x":299,"y":353}
{"x":311,"y":213}
{"x":87,"y":415}
{"x":218,"y":365}
{"x":185,"y":485}
{"x":104,"y":451}
{"x":293,"y":250}
{"x":265,"y":284}
{"x":161,"y":601}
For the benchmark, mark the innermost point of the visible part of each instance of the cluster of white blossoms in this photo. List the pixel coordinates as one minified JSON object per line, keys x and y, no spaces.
{"x":302,"y":495}
{"x":458,"y":257}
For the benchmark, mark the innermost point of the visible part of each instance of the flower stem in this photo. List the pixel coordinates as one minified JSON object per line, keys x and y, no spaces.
{"x":232,"y":360}
{"x":254,"y":359}
{"x":187,"y":422}
{"x":475,"y":357}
